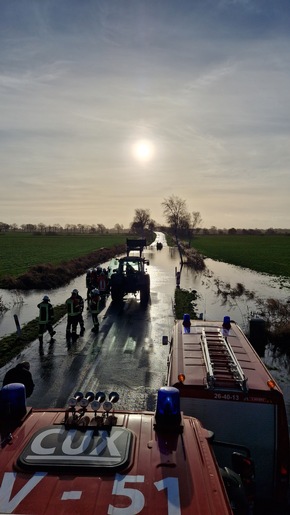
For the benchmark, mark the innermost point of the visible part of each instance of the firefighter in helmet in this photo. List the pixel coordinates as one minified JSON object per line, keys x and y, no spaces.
{"x":45,"y":320}
{"x":75,"y":306}
{"x":94,"y":308}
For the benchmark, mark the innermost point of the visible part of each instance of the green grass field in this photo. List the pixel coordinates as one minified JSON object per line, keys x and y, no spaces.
{"x":20,"y":251}
{"x":269,"y":254}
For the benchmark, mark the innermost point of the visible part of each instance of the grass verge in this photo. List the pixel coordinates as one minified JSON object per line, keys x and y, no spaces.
{"x":12,"y":345}
{"x":264,"y":253}
{"x":184,"y":302}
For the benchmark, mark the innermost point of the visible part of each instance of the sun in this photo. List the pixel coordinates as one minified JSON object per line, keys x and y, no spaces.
{"x":143,"y":150}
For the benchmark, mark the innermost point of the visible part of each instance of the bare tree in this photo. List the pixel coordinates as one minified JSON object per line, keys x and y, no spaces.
{"x":141,"y":220}
{"x":196,"y":220}
{"x":177,"y":215}
{"x":101,"y":228}
{"x":119,"y":228}
{"x":4,"y":227}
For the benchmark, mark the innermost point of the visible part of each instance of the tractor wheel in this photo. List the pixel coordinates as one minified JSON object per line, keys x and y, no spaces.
{"x":145,"y":291}
{"x":116,"y":294}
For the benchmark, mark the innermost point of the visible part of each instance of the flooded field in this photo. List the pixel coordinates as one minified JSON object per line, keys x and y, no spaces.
{"x":214,"y":287}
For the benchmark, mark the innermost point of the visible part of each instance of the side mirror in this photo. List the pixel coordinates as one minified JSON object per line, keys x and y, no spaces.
{"x":164,"y":340}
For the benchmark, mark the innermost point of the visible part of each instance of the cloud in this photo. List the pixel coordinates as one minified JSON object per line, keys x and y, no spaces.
{"x":207,"y":82}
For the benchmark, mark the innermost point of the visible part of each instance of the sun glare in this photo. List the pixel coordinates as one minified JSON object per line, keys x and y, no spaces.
{"x":143,"y":150}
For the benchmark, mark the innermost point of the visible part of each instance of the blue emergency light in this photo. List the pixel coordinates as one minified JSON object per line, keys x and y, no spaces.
{"x":167,"y":414}
{"x":168,"y":402}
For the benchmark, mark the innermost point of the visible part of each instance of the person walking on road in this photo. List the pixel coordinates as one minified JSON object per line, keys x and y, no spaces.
{"x":75,"y":306}
{"x":45,"y":320}
{"x":81,"y":304}
{"x":94,"y":308}
{"x":20,"y":374}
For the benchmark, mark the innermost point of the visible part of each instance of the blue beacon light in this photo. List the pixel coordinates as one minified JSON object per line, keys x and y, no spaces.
{"x":168,"y":408}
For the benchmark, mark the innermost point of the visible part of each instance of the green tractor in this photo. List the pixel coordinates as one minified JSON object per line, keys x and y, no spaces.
{"x":129,"y":275}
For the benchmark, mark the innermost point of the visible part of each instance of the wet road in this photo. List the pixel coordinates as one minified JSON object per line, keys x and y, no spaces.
{"x":126,"y":355}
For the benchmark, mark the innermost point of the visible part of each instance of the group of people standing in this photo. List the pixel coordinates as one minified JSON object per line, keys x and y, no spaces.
{"x":75,"y":307}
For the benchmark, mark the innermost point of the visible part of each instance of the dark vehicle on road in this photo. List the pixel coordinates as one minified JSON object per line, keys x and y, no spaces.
{"x":129,"y":274}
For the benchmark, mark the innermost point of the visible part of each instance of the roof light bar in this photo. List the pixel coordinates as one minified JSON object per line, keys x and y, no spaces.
{"x":114,"y":397}
{"x":100,"y":396}
{"x":107,"y":405}
{"x":84,"y":402}
{"x":95,"y":400}
{"x":95,"y":405}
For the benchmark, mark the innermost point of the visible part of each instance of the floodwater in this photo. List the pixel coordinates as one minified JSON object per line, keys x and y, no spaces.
{"x":214,"y":287}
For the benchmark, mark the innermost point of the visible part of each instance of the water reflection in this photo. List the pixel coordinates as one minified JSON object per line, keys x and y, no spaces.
{"x":215,"y":301}
{"x":215,"y":287}
{"x":278,"y":362}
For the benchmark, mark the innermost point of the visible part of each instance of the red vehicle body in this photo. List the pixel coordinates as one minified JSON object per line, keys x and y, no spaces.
{"x":90,"y":460}
{"x":223,"y":382}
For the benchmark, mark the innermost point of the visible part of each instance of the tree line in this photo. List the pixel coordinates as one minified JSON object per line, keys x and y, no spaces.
{"x":180,"y":222}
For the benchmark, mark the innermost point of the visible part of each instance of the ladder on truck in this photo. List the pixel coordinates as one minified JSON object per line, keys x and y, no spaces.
{"x":223,"y":370}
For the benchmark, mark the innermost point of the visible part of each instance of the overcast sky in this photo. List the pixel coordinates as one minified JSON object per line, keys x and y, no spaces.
{"x":111,"y":105}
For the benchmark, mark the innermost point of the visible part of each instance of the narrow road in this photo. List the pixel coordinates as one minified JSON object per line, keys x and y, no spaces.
{"x":126,"y":355}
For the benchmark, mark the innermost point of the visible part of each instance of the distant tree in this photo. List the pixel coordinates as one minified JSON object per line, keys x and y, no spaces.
{"x":136,"y":227}
{"x":81,"y":228}
{"x":119,"y":228}
{"x":29,"y":227}
{"x":176,"y":215}
{"x":232,"y":230}
{"x":196,"y":220}
{"x":4,"y":227}
{"x":141,"y":220}
{"x":178,"y":218}
{"x":101,"y":228}
{"x":41,"y":227}
{"x":152,"y":225}
{"x":193,"y":228}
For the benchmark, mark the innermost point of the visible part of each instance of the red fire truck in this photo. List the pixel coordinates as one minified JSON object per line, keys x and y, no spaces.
{"x":223,"y":382}
{"x":92,"y":459}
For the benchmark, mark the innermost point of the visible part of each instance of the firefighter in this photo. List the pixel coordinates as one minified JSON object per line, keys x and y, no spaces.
{"x":106,"y":274}
{"x":102,"y":283}
{"x":80,"y":320}
{"x":45,"y":320}
{"x":226,"y":327}
{"x":94,"y":308}
{"x":89,"y":284}
{"x":75,"y":305}
{"x":186,"y":323}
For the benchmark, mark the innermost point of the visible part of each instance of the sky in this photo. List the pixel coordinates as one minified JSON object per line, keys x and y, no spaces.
{"x":107,"y":106}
